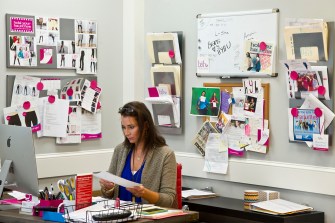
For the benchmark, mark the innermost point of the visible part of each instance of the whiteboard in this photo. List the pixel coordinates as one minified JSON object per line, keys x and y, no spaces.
{"x":223,"y":41}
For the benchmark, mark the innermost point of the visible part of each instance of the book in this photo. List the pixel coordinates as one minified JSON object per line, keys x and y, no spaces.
{"x":279,"y":207}
{"x":84,"y":183}
{"x":197,"y":194}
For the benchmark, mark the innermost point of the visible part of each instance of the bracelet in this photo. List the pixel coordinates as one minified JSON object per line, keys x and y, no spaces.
{"x":108,"y":192}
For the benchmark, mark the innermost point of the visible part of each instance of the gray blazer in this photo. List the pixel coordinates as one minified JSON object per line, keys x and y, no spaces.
{"x":159,"y":173}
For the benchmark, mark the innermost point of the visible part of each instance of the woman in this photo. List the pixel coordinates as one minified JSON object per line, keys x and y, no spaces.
{"x":144,"y":158}
{"x":202,"y":104}
{"x":214,"y":104}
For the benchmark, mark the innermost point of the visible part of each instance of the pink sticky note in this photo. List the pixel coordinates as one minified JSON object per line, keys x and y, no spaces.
{"x":322,"y":90}
{"x":70,"y":110}
{"x":318,"y":112}
{"x":294,"y":112}
{"x":40,"y":86}
{"x":94,"y":84}
{"x":294,"y":75}
{"x":171,"y":54}
{"x":262,"y":46}
{"x":69,"y":92}
{"x":8,"y":118}
{"x":51,"y":99}
{"x":247,"y":130}
{"x":26,"y":105}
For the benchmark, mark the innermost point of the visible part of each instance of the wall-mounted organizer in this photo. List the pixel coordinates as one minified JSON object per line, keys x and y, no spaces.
{"x":310,"y":68}
{"x":165,"y":95}
{"x":51,"y":43}
{"x":237,"y":44}
{"x":65,"y":107}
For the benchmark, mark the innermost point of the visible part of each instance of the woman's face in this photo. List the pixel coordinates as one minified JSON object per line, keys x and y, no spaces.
{"x":130,"y":128}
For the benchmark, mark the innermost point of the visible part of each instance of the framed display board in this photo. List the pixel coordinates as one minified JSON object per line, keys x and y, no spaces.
{"x":237,"y":44}
{"x":228,"y":87}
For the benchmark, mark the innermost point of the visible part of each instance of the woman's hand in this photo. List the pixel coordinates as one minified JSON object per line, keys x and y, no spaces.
{"x":137,"y":191}
{"x":106,"y":185}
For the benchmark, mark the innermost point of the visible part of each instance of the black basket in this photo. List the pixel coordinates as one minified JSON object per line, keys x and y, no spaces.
{"x":125,"y":213}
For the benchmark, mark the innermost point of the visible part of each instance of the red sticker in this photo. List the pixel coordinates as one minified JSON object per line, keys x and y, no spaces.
{"x":26,"y":105}
{"x":70,"y":110}
{"x":262,"y":46}
{"x":94,"y":84}
{"x":69,"y":92}
{"x":51,"y":99}
{"x":40,"y":86}
{"x":322,"y":90}
{"x":171,"y":53}
{"x":294,"y":75}
{"x":294,"y":112}
{"x":8,"y":118}
{"x":24,"y":113}
{"x":318,"y":112}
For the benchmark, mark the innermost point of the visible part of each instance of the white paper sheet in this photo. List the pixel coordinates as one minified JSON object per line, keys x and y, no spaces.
{"x":215,"y":160}
{"x":115,"y":179}
{"x":55,"y":118}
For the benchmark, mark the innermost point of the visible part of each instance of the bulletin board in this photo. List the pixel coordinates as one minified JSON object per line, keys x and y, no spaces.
{"x":229,"y":86}
{"x":51,"y":43}
{"x":222,"y":40}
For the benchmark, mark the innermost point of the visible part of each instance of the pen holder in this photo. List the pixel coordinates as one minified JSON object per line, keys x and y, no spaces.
{"x":46,"y":205}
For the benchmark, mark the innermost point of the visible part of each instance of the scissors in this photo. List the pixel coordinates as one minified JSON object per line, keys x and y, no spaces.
{"x":64,"y":189}
{"x":72,"y":186}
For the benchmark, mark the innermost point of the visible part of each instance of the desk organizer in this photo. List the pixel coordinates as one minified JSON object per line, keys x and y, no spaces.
{"x":107,"y":212}
{"x":52,"y":204}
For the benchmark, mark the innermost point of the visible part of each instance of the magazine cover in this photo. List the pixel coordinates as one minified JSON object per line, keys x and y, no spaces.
{"x":258,"y":57}
{"x":304,"y":124}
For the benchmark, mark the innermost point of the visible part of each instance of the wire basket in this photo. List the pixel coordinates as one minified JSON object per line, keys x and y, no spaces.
{"x":104,"y":211}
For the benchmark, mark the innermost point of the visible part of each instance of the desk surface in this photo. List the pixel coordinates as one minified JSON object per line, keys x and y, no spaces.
{"x":234,"y":208}
{"x":13,"y":216}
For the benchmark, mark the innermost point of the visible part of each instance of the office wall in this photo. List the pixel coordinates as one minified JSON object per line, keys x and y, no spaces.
{"x":108,"y":15}
{"x":283,"y":158}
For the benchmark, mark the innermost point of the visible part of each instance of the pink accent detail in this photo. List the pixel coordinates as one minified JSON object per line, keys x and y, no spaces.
{"x":98,"y":105}
{"x":69,"y":92}
{"x":171,"y":54}
{"x":36,"y":128}
{"x":235,"y":153}
{"x":70,"y":110}
{"x":294,"y":75}
{"x":91,"y":136}
{"x":247,"y":130}
{"x":321,"y":149}
{"x":40,"y":86}
{"x":262,"y":46}
{"x":322,"y":90}
{"x":294,"y":112}
{"x":24,"y":114}
{"x":318,"y":112}
{"x":153,"y":92}
{"x":51,"y":99}
{"x":23,"y":25}
{"x":94,"y":84}
{"x":8,"y":118}
{"x":26,"y":105}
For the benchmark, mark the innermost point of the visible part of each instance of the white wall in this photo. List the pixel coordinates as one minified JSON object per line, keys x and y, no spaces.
{"x":123,"y":74}
{"x":293,"y":169}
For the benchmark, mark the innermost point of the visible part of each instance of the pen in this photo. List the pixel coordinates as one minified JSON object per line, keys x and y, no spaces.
{"x":52,"y":195}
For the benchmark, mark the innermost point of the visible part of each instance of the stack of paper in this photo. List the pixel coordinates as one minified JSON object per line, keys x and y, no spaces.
{"x":197,"y":194}
{"x":279,"y":207}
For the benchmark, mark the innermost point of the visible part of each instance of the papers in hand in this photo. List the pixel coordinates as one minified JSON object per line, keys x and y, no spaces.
{"x":197,"y":194}
{"x":115,"y":179}
{"x":279,"y":207}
